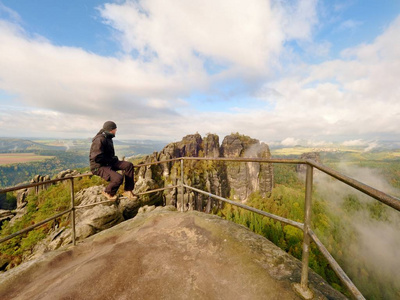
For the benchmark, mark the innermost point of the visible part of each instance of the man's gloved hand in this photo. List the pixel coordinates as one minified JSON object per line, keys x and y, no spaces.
{"x":114,"y":160}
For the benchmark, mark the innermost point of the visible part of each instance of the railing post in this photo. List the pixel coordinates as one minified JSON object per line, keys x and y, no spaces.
{"x":302,"y":288}
{"x":182,"y":191}
{"x":73,"y":212}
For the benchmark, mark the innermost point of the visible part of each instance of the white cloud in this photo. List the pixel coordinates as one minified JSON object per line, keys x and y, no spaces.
{"x":168,"y":50}
{"x":72,"y":83}
{"x":299,"y":18}
{"x":181,"y":34}
{"x":349,"y":25}
{"x":9,"y":13}
{"x":290,"y":142}
{"x":369,"y":145}
{"x":358,"y":142}
{"x":356,"y":95}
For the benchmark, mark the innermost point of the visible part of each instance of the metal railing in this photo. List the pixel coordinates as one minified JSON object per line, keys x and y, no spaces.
{"x":308,"y":235}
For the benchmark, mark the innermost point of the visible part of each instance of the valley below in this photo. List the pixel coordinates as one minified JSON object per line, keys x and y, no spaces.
{"x":360,"y":232}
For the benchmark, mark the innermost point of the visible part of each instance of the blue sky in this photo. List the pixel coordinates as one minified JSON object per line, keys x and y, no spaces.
{"x":279,"y":71}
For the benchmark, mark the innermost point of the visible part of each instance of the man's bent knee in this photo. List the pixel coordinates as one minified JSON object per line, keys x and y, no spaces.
{"x":127,"y":166}
{"x":117,"y":179}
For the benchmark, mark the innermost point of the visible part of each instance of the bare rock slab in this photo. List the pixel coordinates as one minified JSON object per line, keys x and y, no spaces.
{"x":164,"y":254}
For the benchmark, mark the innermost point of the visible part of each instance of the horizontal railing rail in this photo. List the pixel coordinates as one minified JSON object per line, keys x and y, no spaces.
{"x":391,"y":201}
{"x":35,"y":226}
{"x":34,"y":184}
{"x":249,"y":208}
{"x":305,"y":227}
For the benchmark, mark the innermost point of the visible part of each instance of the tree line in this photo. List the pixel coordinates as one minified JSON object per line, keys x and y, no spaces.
{"x":13,"y":174}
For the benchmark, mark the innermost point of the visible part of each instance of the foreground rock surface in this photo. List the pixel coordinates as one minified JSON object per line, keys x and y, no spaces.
{"x":164,"y":254}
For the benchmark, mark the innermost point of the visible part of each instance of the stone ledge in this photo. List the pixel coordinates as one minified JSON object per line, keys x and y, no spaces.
{"x":164,"y":254}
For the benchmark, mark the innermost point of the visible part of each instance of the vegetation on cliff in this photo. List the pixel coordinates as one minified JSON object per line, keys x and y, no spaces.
{"x":287,"y":200}
{"x":47,"y":203}
{"x":338,"y":225}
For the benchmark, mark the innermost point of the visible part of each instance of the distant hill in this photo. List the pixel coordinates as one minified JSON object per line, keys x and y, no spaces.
{"x":137,"y":147}
{"x":66,"y":153}
{"x":20,"y":145}
{"x":123,"y":147}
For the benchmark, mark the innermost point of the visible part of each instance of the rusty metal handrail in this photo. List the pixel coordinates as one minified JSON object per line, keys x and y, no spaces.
{"x":73,"y":208}
{"x":249,"y":208}
{"x":306,"y":227}
{"x":303,"y":288}
{"x":139,"y":194}
{"x":366,"y":189}
{"x":33,"y":184}
{"x":34,"y":226}
{"x":335,"y":266}
{"x":389,"y":200}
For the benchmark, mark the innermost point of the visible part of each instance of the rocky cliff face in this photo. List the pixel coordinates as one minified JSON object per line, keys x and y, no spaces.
{"x":246,"y":178}
{"x":226,"y":179}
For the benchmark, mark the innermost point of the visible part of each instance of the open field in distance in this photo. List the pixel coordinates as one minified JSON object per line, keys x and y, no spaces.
{"x":17,"y":158}
{"x":300,"y":150}
{"x":338,"y":152}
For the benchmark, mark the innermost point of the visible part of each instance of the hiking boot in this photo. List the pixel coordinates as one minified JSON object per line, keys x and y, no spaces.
{"x":129,"y":195}
{"x":109,"y":197}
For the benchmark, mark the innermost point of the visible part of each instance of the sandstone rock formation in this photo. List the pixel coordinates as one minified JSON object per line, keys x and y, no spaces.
{"x":88,"y":219}
{"x":164,"y":254}
{"x":245,"y":178}
{"x":308,"y":155}
{"x":225,"y":179}
{"x":92,"y":215}
{"x":66,"y":173}
{"x":21,"y":194}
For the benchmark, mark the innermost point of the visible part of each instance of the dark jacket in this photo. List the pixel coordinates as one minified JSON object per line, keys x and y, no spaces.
{"x":102,"y":151}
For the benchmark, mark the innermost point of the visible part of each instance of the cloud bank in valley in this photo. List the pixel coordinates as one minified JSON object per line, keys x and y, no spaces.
{"x":368,"y":230}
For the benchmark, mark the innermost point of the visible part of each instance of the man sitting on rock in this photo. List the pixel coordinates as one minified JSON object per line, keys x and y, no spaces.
{"x":105,"y":164}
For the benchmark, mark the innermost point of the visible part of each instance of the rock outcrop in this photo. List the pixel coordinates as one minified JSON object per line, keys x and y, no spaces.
{"x":92,"y":215}
{"x":308,"y":155}
{"x":226,"y":179}
{"x":22,"y":194}
{"x":246,"y":178}
{"x":89,"y":220}
{"x":164,"y":254}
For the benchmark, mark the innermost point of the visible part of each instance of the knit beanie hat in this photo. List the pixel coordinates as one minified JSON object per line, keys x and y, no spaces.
{"x":109,"y":125}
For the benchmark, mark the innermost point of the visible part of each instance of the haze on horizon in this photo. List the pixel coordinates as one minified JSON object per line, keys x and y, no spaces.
{"x":274,"y":70}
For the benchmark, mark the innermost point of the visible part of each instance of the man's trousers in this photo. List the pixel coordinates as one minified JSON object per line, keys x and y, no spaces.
{"x":110,"y":174}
